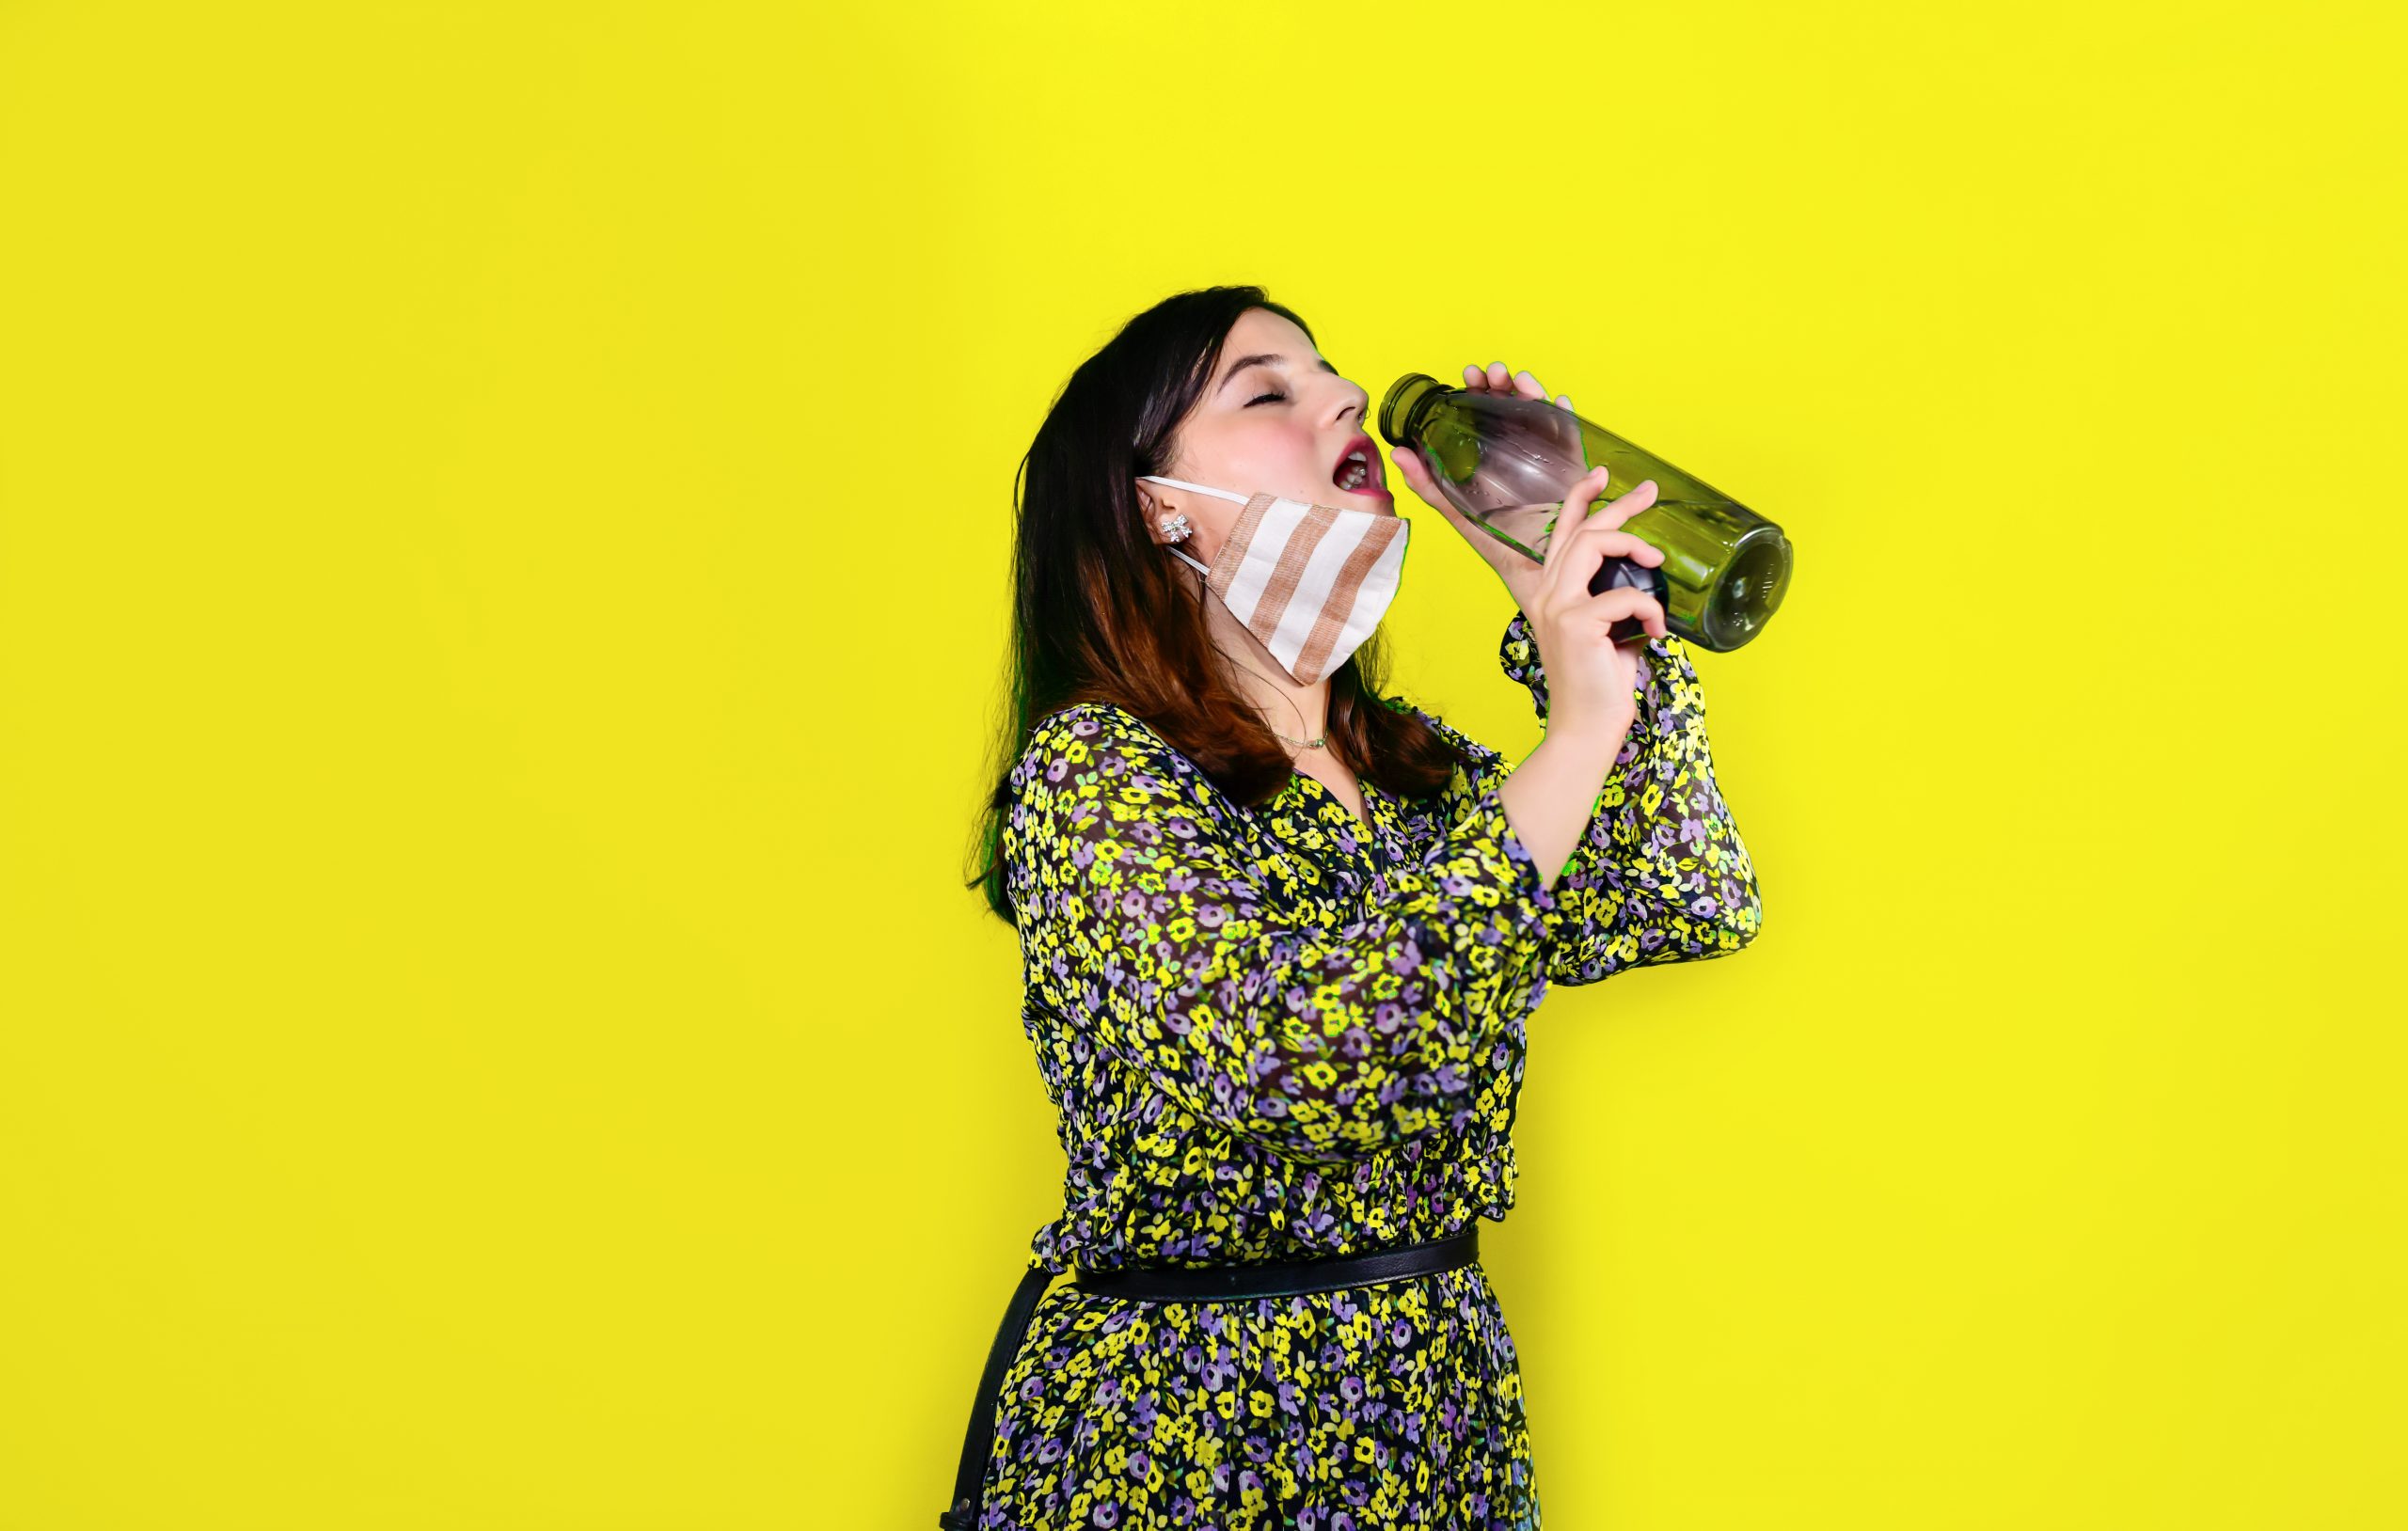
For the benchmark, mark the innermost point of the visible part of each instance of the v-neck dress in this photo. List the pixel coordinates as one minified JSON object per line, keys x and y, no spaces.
{"x":1282,"y":1033}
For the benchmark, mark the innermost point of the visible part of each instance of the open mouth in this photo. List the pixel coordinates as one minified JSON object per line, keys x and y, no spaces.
{"x":1358,"y":471}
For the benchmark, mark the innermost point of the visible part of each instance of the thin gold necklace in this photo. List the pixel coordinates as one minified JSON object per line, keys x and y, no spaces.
{"x":1321,"y":743}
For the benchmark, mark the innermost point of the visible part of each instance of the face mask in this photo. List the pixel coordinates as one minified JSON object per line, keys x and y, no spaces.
{"x":1311,"y":581}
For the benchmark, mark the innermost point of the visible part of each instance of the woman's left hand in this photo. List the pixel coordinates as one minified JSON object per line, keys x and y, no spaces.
{"x":1520,"y":573}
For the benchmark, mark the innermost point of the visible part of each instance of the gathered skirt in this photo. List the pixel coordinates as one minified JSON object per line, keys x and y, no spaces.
{"x":1397,"y":1404}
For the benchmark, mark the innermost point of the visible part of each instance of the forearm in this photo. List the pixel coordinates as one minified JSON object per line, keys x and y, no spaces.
{"x":1552,"y":794}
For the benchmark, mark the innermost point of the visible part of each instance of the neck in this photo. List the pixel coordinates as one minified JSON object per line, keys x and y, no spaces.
{"x":1299,"y":712}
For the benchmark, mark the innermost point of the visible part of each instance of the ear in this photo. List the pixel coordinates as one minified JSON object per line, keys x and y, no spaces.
{"x":1151,"y":510}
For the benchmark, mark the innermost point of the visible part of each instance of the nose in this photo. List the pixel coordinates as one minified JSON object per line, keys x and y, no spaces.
{"x":1351,"y":398}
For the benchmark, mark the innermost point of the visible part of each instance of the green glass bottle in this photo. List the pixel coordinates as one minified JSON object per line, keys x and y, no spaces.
{"x":1506,"y":460}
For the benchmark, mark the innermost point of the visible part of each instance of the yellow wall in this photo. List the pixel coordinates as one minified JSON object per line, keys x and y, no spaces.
{"x":503,"y":522}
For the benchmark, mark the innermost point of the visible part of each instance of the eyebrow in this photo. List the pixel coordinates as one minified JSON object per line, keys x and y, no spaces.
{"x":1273,"y":358}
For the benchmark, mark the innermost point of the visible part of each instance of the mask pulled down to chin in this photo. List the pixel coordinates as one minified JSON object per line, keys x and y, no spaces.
{"x":1310,"y":581}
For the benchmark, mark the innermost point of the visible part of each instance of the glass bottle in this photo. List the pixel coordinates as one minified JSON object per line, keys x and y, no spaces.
{"x":1505,"y":461}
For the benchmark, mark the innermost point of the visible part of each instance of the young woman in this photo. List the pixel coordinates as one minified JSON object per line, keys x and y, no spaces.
{"x":1281,"y":931}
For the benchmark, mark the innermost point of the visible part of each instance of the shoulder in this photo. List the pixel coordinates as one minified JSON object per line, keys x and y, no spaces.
{"x":1099,"y":798}
{"x":1092,"y":755}
{"x":1090,"y":732}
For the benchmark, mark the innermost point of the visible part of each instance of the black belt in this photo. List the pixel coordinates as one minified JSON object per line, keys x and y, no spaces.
{"x":1171,"y":1284}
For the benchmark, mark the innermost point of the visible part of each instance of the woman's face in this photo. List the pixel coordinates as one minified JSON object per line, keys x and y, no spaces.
{"x":1279,"y":425}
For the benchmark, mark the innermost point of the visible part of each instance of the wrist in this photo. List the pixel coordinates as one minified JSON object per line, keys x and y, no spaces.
{"x":1599,"y":733}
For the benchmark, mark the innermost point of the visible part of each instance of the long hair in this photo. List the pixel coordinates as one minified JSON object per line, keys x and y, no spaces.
{"x":1099,"y":613}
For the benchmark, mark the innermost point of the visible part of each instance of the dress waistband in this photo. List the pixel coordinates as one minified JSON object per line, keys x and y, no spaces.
{"x":1220,"y":1282}
{"x":1290,"y":1278}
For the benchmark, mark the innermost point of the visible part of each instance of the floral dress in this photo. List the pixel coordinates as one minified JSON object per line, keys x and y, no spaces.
{"x":1282,"y":1034}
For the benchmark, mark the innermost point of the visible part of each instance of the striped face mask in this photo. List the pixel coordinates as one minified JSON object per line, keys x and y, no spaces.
{"x":1311,"y":581}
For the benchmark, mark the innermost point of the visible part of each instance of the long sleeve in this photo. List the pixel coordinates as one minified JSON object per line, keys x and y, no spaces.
{"x":1662,"y":874}
{"x":1143,"y":917}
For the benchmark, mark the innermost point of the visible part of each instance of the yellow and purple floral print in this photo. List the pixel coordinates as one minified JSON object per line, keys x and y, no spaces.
{"x":1285,"y":1032}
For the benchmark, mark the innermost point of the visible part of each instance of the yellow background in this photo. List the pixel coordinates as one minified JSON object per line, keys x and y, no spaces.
{"x":503,"y":514}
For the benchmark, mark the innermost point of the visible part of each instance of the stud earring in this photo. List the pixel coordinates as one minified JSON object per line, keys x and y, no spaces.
{"x":1174,"y":527}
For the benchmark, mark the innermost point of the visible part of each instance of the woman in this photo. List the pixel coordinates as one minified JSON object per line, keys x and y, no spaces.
{"x":1281,"y":931}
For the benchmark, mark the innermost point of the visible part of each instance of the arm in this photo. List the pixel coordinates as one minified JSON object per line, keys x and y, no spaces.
{"x":1662,"y":875}
{"x":1140,"y":920}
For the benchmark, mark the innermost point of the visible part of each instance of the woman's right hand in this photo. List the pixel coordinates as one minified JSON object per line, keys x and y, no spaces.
{"x":1591,"y":681}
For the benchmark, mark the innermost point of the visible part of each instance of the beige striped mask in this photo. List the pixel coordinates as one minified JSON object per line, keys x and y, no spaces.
{"x":1311,"y":581}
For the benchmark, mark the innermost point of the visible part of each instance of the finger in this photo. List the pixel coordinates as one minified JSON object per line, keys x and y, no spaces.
{"x":1575,"y":509}
{"x":1621,"y":545}
{"x":1625,"y":505}
{"x":1417,"y":479}
{"x":1564,"y":401}
{"x":1584,"y":558}
{"x":1610,"y":517}
{"x":1598,"y":538}
{"x":1526,"y":386}
{"x":1626,"y":601}
{"x":1651,"y":616}
{"x":1417,"y":474}
{"x":1499,"y":378}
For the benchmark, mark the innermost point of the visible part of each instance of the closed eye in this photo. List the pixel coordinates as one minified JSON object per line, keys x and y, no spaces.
{"x":1261,"y":397}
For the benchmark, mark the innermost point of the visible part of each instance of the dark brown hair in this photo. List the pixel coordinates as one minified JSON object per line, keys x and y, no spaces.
{"x":1099,"y":612}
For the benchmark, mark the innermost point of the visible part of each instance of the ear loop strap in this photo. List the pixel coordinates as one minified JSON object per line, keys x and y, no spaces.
{"x":1199,"y":488}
